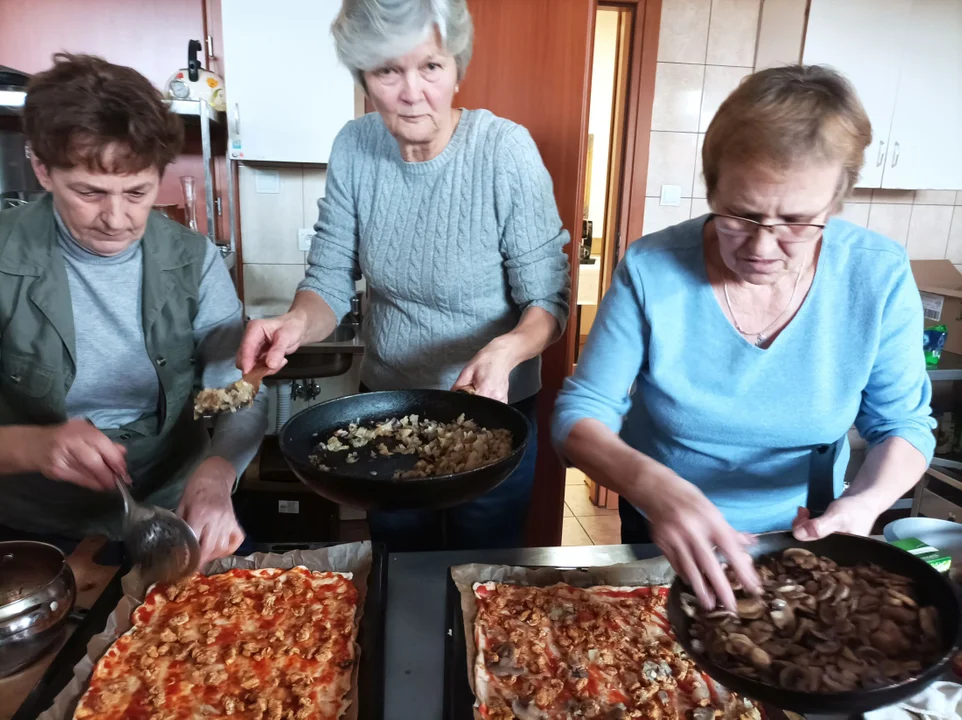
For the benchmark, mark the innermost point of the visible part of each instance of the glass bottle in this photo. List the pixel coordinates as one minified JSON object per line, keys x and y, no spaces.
{"x":190,"y":201}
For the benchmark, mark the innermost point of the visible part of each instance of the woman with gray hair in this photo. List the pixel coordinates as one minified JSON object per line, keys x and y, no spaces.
{"x":449,"y":216}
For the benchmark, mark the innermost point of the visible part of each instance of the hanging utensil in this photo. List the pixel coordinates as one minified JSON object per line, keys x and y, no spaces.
{"x":159,"y":541}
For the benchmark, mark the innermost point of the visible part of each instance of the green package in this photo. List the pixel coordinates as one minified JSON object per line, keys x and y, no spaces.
{"x":933,"y":340}
{"x":926,"y":552}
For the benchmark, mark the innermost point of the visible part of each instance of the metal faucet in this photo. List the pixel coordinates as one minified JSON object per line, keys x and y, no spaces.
{"x":308,"y":390}
{"x":356,"y":316}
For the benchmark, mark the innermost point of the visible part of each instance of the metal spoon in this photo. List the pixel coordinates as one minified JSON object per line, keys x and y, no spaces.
{"x":162,"y":543}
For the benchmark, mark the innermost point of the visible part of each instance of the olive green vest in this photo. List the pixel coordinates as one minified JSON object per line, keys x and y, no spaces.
{"x":37,"y":368}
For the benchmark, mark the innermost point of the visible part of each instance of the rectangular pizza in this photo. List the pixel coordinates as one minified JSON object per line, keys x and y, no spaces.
{"x":264,"y":644}
{"x":602,"y":653}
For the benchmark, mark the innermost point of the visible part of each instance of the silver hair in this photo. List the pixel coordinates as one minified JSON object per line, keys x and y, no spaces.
{"x":368,"y":33}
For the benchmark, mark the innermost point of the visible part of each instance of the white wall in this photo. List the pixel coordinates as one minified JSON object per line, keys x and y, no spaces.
{"x":705,"y":48}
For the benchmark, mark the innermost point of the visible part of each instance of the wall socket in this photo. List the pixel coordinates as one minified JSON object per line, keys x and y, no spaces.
{"x":304,"y":237}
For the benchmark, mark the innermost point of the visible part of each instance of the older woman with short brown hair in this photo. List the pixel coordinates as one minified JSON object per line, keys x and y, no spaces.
{"x":110,"y":316}
{"x":753,"y":337}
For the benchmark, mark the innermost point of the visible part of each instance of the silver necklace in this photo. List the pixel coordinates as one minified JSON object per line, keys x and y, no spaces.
{"x":760,"y":336}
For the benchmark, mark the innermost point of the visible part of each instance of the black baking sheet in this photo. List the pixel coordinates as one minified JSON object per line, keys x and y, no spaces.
{"x":370,"y":678}
{"x":458,"y":697}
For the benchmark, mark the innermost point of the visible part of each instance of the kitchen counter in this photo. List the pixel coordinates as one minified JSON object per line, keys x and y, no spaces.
{"x":415,"y":621}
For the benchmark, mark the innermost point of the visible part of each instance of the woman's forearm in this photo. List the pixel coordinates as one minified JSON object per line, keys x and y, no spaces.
{"x":608,"y":460}
{"x":890,"y":469}
{"x":315,"y":314}
{"x":536,"y":330}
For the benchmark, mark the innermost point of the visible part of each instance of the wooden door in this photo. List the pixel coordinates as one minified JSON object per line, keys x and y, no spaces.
{"x":532,"y":65}
{"x":863,"y":39}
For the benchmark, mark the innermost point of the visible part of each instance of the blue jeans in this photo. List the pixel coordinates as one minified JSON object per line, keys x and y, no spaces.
{"x":494,"y":520}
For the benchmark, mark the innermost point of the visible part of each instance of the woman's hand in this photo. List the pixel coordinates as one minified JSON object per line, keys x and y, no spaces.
{"x":489,"y":371}
{"x":853,"y":515}
{"x":207,"y":508}
{"x":688,"y":527}
{"x":271,"y":340}
{"x":78,"y":453}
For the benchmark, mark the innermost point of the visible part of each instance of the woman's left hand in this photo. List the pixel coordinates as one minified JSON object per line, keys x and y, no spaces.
{"x":207,"y":508}
{"x":852,"y":515}
{"x":489,"y":371}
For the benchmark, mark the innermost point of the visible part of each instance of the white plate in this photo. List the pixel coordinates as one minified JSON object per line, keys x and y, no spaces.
{"x":940,"y":534}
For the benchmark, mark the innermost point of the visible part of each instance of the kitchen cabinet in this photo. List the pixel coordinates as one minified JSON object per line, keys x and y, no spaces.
{"x":287,"y":94}
{"x":904,"y":58}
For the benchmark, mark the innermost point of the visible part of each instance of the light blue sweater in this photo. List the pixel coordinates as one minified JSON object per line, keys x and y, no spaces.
{"x":453,"y":249}
{"x":736,"y":420}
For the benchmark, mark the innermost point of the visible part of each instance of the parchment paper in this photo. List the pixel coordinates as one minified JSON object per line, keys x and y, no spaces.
{"x":655,"y":571}
{"x":353,"y":558}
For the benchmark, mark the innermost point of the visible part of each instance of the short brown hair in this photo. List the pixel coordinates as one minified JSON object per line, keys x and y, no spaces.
{"x":84,"y":105}
{"x":782,"y":115}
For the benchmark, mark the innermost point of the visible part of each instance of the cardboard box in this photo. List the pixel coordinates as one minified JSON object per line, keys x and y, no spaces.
{"x":941,"y":287}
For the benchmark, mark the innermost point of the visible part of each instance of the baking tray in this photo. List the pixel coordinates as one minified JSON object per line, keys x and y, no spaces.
{"x":458,"y":696}
{"x":370,"y":679}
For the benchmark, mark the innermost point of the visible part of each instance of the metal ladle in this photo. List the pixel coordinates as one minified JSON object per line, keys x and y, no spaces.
{"x":161,"y":542}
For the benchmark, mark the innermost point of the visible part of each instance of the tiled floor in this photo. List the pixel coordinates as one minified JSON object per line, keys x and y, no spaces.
{"x":585,"y":523}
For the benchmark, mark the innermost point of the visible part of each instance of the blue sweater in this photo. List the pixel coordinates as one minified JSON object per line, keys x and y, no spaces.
{"x":453,"y":249}
{"x":736,"y":420}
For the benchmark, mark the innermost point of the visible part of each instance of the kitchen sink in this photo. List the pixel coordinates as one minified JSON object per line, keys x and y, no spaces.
{"x":332,"y":356}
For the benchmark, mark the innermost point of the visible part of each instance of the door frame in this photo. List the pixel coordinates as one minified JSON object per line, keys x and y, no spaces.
{"x":643,"y":64}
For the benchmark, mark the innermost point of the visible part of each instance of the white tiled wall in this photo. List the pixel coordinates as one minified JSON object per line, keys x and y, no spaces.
{"x":705,"y":48}
{"x":273,"y":264}
{"x":921,"y":220}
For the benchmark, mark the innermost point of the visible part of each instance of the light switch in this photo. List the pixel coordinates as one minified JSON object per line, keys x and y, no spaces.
{"x":304,"y":237}
{"x":671,"y":195}
{"x":267,"y":182}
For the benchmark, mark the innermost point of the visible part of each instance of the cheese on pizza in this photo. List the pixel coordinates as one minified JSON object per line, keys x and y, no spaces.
{"x":604,"y":653}
{"x":267,"y":644}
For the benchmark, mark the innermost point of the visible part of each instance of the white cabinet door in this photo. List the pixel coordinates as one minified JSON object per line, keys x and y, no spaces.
{"x":926,"y":136}
{"x":287,"y":94}
{"x":862,"y":39}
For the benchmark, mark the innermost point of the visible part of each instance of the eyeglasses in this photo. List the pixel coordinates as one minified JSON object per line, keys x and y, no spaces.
{"x":786,"y":232}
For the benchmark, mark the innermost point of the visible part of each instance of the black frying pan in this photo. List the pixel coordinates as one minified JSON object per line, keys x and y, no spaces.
{"x":932,"y":587}
{"x":368,"y":483}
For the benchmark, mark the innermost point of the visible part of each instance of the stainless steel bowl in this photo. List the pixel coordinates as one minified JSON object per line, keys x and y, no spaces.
{"x":37,"y":593}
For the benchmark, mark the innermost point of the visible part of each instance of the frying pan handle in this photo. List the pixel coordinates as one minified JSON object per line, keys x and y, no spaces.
{"x":467,"y":390}
{"x":821,"y":477}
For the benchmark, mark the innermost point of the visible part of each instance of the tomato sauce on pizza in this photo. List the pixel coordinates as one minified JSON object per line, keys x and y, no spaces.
{"x":602,"y":653}
{"x":267,"y":644}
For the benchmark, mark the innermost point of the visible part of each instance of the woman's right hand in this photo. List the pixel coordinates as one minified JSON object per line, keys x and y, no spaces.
{"x":688,"y":528}
{"x":78,"y":453}
{"x":271,"y":340}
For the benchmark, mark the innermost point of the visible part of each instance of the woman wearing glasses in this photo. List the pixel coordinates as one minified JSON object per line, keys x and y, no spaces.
{"x":730,"y":345}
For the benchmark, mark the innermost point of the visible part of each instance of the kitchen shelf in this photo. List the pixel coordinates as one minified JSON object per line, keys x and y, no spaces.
{"x":11,"y":103}
{"x":194,"y":108}
{"x":949,"y":368}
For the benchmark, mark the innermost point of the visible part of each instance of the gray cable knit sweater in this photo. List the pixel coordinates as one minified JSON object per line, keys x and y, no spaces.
{"x":453,"y":249}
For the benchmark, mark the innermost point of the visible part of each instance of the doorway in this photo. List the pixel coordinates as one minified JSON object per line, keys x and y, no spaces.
{"x":624,"y":58}
{"x":603,"y":161}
